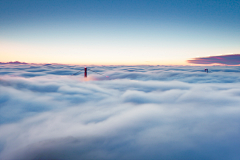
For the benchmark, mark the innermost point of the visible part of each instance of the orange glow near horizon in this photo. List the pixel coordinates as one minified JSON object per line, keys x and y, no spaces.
{"x":92,"y":55}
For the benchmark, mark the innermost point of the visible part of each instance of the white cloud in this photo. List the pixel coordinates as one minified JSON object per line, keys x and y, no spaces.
{"x":140,"y":112}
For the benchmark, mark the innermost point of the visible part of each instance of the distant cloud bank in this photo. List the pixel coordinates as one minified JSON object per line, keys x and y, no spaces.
{"x":139,"y":112}
{"x":223,"y":59}
{"x":15,"y":62}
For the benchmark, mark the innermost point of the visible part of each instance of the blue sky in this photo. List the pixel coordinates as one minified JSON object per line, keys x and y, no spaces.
{"x":117,"y":32}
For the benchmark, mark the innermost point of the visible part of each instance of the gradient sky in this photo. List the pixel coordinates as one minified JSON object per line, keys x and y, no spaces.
{"x":105,"y":32}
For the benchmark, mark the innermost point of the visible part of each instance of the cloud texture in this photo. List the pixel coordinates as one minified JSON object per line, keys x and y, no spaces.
{"x":139,"y":112}
{"x":223,"y":59}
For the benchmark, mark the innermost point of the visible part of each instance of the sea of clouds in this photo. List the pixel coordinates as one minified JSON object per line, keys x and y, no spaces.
{"x":137,"y":112}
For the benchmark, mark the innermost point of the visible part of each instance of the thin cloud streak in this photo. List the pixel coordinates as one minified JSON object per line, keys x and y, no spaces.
{"x":223,"y":59}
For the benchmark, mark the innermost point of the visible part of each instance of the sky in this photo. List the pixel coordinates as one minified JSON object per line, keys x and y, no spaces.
{"x":114,"y":32}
